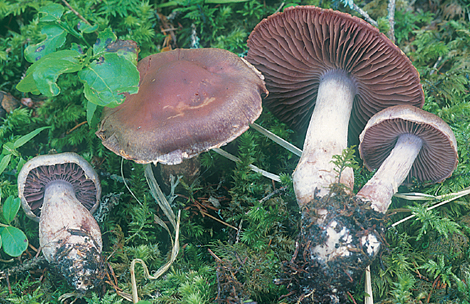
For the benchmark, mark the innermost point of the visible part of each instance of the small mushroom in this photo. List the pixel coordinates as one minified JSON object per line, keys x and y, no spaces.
{"x":321,"y":68}
{"x":189,"y":101}
{"x":61,"y":192}
{"x":405,"y":142}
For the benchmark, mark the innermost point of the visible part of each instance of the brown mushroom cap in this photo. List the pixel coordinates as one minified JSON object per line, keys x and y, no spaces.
{"x":189,"y":101}
{"x":295,"y":48}
{"x":38,"y":172}
{"x":438,"y":156}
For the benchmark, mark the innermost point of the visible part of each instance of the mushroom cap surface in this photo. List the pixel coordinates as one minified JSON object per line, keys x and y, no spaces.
{"x":189,"y":101}
{"x":438,"y":156}
{"x":39,"y":171}
{"x":296,"y":48}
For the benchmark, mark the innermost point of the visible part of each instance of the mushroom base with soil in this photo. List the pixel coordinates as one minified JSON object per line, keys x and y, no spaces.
{"x":70,"y":237}
{"x":335,"y":248}
{"x":61,"y":191}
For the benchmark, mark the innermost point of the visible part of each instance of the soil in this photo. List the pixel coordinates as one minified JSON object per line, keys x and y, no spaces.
{"x":330,"y":280}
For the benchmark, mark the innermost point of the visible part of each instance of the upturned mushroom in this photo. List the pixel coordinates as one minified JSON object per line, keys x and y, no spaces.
{"x":405,"y":142}
{"x":189,"y":101}
{"x":336,"y":66}
{"x":61,"y":192}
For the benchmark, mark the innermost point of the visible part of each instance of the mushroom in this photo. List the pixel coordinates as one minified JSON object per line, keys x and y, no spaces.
{"x":61,"y":192}
{"x":189,"y":101}
{"x":336,"y":66}
{"x":405,"y":142}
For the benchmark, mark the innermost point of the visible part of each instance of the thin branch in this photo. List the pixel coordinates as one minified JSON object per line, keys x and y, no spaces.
{"x":457,"y":195}
{"x":365,"y":15}
{"x":391,"y":20}
{"x":233,"y":158}
{"x":76,"y":13}
{"x":280,"y":141}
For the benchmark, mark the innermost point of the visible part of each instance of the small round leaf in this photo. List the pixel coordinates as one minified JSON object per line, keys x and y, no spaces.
{"x":14,"y":240}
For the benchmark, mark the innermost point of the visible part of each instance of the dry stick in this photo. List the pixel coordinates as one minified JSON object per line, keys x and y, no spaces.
{"x":75,"y":12}
{"x":278,"y":140}
{"x":391,"y":20}
{"x":369,"y":298}
{"x":275,"y":192}
{"x":432,"y":288}
{"x":458,"y":195}
{"x":233,"y":158}
{"x":365,"y":15}
{"x":218,"y":220}
{"x":76,"y":127}
{"x":8,"y":284}
{"x":162,"y":269}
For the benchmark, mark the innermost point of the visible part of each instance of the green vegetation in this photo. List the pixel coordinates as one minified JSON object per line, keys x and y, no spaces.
{"x":237,"y":228}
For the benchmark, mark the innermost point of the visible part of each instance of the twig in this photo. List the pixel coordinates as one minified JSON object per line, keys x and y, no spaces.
{"x":76,"y":13}
{"x":161,"y":270}
{"x":76,"y":127}
{"x":8,"y":283}
{"x":218,"y":220}
{"x":280,"y":141}
{"x":432,"y":287}
{"x":457,"y":195}
{"x":365,"y":15}
{"x":233,"y":158}
{"x":26,"y":266}
{"x":275,"y":192}
{"x":368,"y":298}
{"x":391,"y":20}
{"x":279,"y":8}
{"x":352,"y":298}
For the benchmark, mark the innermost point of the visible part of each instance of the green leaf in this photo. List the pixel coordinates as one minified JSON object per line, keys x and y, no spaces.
{"x":224,"y":1}
{"x":27,"y":84}
{"x":104,"y":39}
{"x":14,"y":240}
{"x":85,"y":28}
{"x":20,"y":164}
{"x":8,"y":148}
{"x":106,"y":79}
{"x":24,"y":139}
{"x":55,"y":38}
{"x":4,"y":162}
{"x":10,"y":208}
{"x":52,"y":12}
{"x":78,"y":47}
{"x":124,"y":48}
{"x":90,"y":111}
{"x":42,"y":75}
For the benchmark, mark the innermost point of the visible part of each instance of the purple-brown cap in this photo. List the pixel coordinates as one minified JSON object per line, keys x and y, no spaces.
{"x":38,"y":172}
{"x":438,"y":156}
{"x":189,"y":101}
{"x":295,"y":48}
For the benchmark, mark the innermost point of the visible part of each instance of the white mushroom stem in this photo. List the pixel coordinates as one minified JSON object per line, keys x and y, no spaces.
{"x":327,"y":135}
{"x":391,"y":174}
{"x":68,"y":231}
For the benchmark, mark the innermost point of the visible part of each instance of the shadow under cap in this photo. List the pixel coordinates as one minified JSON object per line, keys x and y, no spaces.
{"x":189,"y":101}
{"x":296,"y":48}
